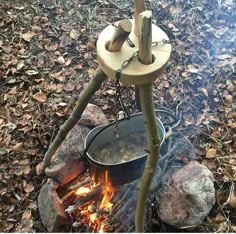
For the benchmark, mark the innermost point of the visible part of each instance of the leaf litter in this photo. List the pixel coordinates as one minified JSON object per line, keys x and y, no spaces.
{"x":47,"y":56}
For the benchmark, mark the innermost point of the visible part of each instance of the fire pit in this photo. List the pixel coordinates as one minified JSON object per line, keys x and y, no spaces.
{"x":92,"y":205}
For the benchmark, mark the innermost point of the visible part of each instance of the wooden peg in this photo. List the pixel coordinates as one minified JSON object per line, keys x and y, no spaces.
{"x":145,"y":43}
{"x":139,"y":6}
{"x":120,"y":35}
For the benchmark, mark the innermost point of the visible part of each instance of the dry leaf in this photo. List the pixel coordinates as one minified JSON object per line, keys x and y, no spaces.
{"x":166,"y":84}
{"x":28,"y":36}
{"x":205,"y":92}
{"x":20,"y":65}
{"x":31,"y":72}
{"x":232,"y":196}
{"x":26,"y":222}
{"x":211,"y":153}
{"x":228,"y":99}
{"x":36,"y":29}
{"x":61,"y":60}
{"x":6,"y":49}
{"x":40,"y":97}
{"x":29,"y":188}
{"x":67,"y":63}
{"x":219,"y":218}
{"x":74,"y":34}
{"x":192,"y":68}
{"x":26,"y":170}
{"x":36,"y":19}
{"x":18,"y":147}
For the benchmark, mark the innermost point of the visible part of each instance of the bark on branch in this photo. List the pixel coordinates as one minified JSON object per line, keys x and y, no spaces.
{"x":147,"y":104}
{"x":94,"y":84}
{"x":122,"y":32}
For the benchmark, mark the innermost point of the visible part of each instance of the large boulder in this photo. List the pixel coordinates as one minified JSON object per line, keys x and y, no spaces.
{"x":93,"y":116}
{"x":187,"y":197}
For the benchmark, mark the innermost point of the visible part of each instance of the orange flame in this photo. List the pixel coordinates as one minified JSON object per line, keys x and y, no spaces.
{"x":108,"y":193}
{"x":97,"y":221}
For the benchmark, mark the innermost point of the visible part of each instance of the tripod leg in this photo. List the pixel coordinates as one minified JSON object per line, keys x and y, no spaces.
{"x":85,"y":96}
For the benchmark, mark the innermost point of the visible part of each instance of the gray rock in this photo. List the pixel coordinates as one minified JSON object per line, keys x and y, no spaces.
{"x":51,"y":209}
{"x":93,"y":116}
{"x":67,"y":163}
{"x":187,"y":198}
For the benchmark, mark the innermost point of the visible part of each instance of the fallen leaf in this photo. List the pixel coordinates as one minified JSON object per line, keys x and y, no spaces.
{"x":205,"y":92}
{"x":228,"y":99}
{"x":26,"y":222}
{"x":36,"y":29}
{"x":20,"y":65}
{"x":219,"y":218}
{"x":224,"y":56}
{"x":192,"y":68}
{"x":36,"y":19}
{"x":67,"y":63}
{"x":28,"y":36}
{"x":6,"y":49}
{"x":211,"y":153}
{"x":61,"y":60}
{"x":40,"y":97}
{"x":31,"y":72}
{"x":29,"y":188}
{"x":18,"y":147}
{"x":74,"y":34}
{"x":44,"y":19}
{"x":166,"y":84}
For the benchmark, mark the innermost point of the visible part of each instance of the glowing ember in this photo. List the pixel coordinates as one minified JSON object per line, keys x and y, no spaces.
{"x":82,"y":191}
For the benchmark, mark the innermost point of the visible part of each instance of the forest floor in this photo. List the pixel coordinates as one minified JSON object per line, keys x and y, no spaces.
{"x":48,"y":53}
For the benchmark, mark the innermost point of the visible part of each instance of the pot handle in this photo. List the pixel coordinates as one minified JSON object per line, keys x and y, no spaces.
{"x":83,"y":156}
{"x":177,"y":118}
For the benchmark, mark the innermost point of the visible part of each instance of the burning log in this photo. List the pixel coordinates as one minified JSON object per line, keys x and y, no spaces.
{"x":92,"y":195}
{"x":81,"y":183}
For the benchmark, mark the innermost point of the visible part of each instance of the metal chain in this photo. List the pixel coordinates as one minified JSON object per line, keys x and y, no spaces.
{"x":118,"y":76}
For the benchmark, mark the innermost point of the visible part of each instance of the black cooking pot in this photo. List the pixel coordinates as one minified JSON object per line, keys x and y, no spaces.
{"x":124,"y":172}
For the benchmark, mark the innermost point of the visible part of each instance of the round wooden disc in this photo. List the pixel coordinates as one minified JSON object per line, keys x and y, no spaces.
{"x":135,"y":73}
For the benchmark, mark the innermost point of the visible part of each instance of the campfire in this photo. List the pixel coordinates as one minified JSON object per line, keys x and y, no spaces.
{"x":95,"y":207}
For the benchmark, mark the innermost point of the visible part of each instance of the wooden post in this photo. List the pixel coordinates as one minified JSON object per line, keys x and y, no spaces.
{"x":122,"y":32}
{"x":147,"y":104}
{"x":85,"y":96}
